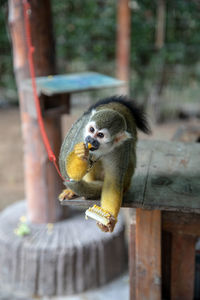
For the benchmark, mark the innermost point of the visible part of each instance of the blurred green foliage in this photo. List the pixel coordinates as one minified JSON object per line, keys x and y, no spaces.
{"x":6,"y":68}
{"x":85,"y":34}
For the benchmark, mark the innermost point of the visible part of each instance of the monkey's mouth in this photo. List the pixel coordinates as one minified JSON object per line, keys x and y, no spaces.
{"x":91,"y":143}
{"x":92,"y":149}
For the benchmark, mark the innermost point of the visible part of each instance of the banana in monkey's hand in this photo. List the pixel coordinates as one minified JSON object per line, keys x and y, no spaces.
{"x":77,"y":162}
{"x":81,"y":150}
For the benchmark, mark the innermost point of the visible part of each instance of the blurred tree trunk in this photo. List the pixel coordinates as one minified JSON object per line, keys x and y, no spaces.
{"x":160,"y":29}
{"x":42,"y":38}
{"x":123,"y":43}
{"x":155,"y":97}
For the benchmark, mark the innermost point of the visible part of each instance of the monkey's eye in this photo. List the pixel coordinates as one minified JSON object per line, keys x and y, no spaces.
{"x":100,"y":135}
{"x":91,"y":129}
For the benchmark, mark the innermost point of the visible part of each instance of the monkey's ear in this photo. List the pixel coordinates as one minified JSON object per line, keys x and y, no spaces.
{"x":93,"y":112}
{"x":122,"y":136}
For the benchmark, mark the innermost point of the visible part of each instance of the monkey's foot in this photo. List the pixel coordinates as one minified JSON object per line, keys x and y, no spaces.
{"x":105,"y":220}
{"x":66,"y":194}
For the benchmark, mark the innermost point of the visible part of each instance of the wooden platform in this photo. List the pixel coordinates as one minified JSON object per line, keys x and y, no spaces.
{"x":167,"y":178}
{"x":165,"y":191}
{"x":73,"y":83}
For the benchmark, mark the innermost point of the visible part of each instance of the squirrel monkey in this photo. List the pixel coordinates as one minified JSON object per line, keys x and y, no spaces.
{"x":102,"y":163}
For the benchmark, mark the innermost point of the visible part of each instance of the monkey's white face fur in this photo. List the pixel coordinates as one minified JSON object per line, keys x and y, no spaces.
{"x":106,"y":142}
{"x":102,"y":136}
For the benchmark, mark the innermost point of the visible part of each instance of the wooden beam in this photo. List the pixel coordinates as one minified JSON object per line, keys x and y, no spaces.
{"x":42,"y":184}
{"x":166,"y":264}
{"x":123,"y":41}
{"x":148,"y":255}
{"x":182,"y":267}
{"x":160,"y":29}
{"x":131,"y":248}
{"x":183,"y":228}
{"x":186,"y":223}
{"x":166,"y":178}
{"x":42,"y":38}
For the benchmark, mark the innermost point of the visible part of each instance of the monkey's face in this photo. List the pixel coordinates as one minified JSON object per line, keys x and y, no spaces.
{"x":105,"y":130}
{"x":100,"y":139}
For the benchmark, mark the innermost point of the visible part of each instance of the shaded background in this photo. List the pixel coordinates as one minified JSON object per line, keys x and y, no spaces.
{"x":164,"y":78}
{"x":85,"y":34}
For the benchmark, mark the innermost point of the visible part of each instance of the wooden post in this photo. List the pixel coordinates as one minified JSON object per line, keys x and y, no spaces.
{"x":160,"y":29}
{"x":42,"y":38}
{"x":182,"y":267}
{"x":184,"y":229}
{"x":123,"y":42}
{"x":42,"y":184}
{"x":148,"y":255}
{"x":132,"y":264}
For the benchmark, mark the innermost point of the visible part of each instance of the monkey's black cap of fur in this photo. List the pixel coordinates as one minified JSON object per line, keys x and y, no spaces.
{"x":136,"y":111}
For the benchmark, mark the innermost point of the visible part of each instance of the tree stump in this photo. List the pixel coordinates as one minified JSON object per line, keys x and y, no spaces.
{"x":67,"y":257}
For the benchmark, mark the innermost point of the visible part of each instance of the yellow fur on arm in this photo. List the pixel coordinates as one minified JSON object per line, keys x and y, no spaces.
{"x":111,"y":198}
{"x":76,"y":167}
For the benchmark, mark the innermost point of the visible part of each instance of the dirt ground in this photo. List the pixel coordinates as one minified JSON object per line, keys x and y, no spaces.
{"x":11,"y":151}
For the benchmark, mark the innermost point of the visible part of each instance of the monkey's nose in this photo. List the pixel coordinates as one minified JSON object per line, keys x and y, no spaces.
{"x":91,"y":143}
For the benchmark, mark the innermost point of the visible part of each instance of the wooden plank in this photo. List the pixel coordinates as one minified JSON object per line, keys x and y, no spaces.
{"x":148,"y":255}
{"x":73,"y":83}
{"x":173,"y":178}
{"x":134,"y":197}
{"x":166,"y":264}
{"x":166,"y":178}
{"x":79,"y":202}
{"x":181,"y":223}
{"x":182,"y":267}
{"x":138,"y":183}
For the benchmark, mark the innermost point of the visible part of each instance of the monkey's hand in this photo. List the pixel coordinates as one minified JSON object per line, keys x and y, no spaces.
{"x":81,"y":151}
{"x":77,"y":162}
{"x":66,"y":194}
